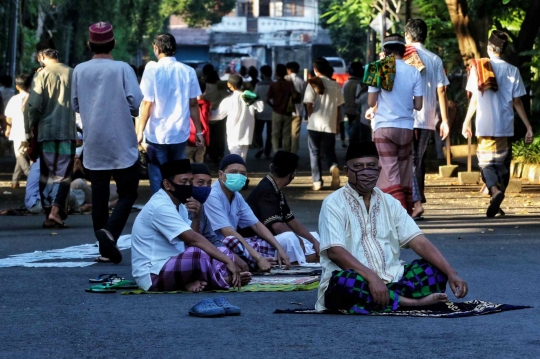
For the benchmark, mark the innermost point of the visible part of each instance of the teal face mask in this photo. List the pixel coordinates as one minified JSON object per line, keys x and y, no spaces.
{"x":235,"y":181}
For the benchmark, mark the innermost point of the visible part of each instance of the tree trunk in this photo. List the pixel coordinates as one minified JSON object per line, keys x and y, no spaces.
{"x":458,"y":10}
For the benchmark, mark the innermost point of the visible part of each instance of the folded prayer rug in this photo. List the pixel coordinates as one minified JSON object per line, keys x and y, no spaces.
{"x":485,"y":74}
{"x":412,"y":58}
{"x":381,"y":73}
{"x":441,"y":310}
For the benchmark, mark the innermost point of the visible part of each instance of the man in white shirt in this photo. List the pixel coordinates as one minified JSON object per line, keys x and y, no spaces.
{"x":393,"y":124}
{"x":425,"y":121}
{"x":167,"y":253}
{"x":293,"y":68}
{"x":170,"y":91}
{"x":495,"y":120}
{"x":324,"y":114}
{"x":15,"y":128}
{"x":362,"y":231}
{"x":106,"y":94}
{"x":227,"y":211}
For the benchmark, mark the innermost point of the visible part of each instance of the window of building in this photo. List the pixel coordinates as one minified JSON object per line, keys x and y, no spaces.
{"x":293,"y":7}
{"x":245,"y":8}
{"x":264,"y":7}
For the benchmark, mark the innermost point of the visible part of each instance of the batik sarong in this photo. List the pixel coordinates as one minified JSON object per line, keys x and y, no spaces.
{"x":193,"y":264}
{"x":485,"y":74}
{"x":349,"y":291}
{"x":395,"y":158}
{"x":494,"y":157}
{"x":261,"y":246}
{"x":56,"y":169}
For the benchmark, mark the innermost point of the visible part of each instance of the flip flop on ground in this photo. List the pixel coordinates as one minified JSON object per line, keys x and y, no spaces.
{"x":54,"y":225}
{"x":108,"y":247}
{"x":102,"y":278}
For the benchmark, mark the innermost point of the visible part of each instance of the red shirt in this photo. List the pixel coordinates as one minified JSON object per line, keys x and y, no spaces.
{"x":204,"y":111}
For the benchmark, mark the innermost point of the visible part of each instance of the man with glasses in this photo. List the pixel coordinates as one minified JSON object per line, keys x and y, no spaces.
{"x":362,"y":231}
{"x":271,"y":208}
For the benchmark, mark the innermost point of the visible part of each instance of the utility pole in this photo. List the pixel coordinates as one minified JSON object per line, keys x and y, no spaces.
{"x":383,"y":21}
{"x":13,"y":52}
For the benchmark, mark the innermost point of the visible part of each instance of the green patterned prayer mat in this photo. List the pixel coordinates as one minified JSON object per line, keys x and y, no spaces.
{"x":257,"y":287}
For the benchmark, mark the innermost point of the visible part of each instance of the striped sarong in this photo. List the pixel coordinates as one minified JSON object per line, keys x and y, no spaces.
{"x":395,"y":158}
{"x":349,"y":291}
{"x":262,"y":247}
{"x":193,"y":264}
{"x":56,"y":168}
{"x":494,"y":157}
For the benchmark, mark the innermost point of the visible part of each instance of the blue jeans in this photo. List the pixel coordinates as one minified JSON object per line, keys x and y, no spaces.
{"x":160,"y":154}
{"x":319,"y":142}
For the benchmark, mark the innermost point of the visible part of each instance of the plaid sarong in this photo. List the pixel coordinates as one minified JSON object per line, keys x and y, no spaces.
{"x":193,"y":264}
{"x":56,"y":169}
{"x":381,"y":73}
{"x":262,"y":247}
{"x":412,"y":58}
{"x":349,"y":291}
{"x":494,"y":158}
{"x":486,"y":75}
{"x":395,"y":157}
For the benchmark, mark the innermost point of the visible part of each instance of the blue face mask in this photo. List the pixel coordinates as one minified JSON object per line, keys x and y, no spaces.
{"x":235,"y":181}
{"x":201,"y":193}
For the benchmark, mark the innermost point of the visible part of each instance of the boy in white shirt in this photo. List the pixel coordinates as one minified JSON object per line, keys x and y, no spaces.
{"x":240,"y":117}
{"x":15,"y":127}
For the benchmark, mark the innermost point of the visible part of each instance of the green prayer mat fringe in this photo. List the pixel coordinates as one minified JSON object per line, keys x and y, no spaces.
{"x":247,"y":288}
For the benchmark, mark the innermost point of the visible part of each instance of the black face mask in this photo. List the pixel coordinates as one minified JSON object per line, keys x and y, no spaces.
{"x":182,"y":192}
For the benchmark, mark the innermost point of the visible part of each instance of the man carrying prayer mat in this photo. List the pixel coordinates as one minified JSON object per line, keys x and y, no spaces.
{"x":227,"y":211}
{"x":270,"y":206}
{"x":495,"y":120}
{"x":393,"y":124}
{"x":362,"y":231}
{"x":167,"y":253}
{"x":434,"y":83}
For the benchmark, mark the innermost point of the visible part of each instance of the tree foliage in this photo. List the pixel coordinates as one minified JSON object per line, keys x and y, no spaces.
{"x":198,"y":13}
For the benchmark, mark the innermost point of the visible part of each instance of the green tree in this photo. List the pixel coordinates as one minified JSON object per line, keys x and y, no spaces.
{"x":198,"y":13}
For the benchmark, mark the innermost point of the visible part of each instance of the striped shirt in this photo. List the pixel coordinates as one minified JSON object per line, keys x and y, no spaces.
{"x":373,"y":238}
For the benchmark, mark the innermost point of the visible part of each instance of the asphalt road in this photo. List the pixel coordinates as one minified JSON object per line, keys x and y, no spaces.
{"x":45,"y":313}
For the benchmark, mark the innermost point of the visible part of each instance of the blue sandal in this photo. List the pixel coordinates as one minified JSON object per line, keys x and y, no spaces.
{"x":206,"y":309}
{"x":228,"y":307}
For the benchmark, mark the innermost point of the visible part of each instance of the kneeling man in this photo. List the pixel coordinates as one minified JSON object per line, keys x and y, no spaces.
{"x":271,"y":208}
{"x":167,"y":254}
{"x":362,"y":230}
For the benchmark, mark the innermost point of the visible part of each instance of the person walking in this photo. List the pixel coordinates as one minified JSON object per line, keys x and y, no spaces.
{"x":393,"y":122}
{"x":106,"y":94}
{"x":434,"y":82}
{"x":49,"y":110}
{"x":170,"y":91}
{"x":355,"y":96}
{"x":15,"y":128}
{"x":493,"y":99}
{"x":280,"y":97}
{"x":263,"y":118}
{"x":293,"y":68}
{"x":324,"y":114}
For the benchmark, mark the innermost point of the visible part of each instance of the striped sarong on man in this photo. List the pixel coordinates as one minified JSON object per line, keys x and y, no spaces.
{"x":261,"y":246}
{"x":56,"y":168}
{"x":191,"y":265}
{"x":494,"y":157}
{"x":349,"y":291}
{"x":395,"y":158}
